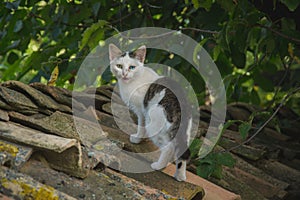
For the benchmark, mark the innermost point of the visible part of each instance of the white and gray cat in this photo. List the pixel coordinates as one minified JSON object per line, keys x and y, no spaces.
{"x":163,"y":113}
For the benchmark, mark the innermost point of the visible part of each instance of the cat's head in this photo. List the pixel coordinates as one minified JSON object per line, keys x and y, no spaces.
{"x":126,"y":66}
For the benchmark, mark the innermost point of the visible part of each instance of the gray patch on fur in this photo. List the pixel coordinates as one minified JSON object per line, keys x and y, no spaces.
{"x":177,"y":110}
{"x":130,"y":54}
{"x":179,"y":165}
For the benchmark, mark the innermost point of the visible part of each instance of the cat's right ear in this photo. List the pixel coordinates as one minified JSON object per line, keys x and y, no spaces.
{"x":114,"y":52}
{"x":140,"y":53}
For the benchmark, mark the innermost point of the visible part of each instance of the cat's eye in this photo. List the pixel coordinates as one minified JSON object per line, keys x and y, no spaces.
{"x":119,"y":66}
{"x":131,"y":67}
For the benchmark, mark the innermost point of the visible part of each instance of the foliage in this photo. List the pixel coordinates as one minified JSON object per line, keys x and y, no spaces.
{"x":255,"y":44}
{"x":212,"y":164}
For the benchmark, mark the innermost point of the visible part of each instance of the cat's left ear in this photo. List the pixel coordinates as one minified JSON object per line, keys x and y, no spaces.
{"x":140,"y":53}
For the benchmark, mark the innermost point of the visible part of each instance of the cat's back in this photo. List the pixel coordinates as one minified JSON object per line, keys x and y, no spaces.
{"x":166,"y":101}
{"x":174,"y":100}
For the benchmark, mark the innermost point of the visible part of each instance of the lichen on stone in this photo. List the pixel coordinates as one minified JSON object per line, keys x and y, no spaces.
{"x":8,"y":148}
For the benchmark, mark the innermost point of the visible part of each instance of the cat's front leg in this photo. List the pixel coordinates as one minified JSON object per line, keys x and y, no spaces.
{"x":141,"y":133}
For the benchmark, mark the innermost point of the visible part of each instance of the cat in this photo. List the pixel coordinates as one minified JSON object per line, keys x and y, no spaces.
{"x":163,"y":112}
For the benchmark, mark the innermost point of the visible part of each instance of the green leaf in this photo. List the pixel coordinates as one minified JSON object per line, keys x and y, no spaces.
{"x":12,"y":57}
{"x":244,"y":128}
{"x":264,"y":83}
{"x":229,"y":6}
{"x":18,"y":26}
{"x":209,"y":160}
{"x":10,"y":72}
{"x":95,"y":8}
{"x":205,"y":170}
{"x":12,"y":5}
{"x":291,"y":4}
{"x":226,"y":159}
{"x":13,"y":44}
{"x":254,"y":98}
{"x":206,"y":4}
{"x":196,"y":4}
{"x":238,"y":57}
{"x":194,"y":147}
{"x":253,"y":37}
{"x":254,"y":16}
{"x":217,"y":173}
{"x":93,"y":34}
{"x":288,"y":24}
{"x":227,"y":124}
{"x":267,"y":45}
{"x":216,"y":52}
{"x":270,"y":45}
{"x":212,"y":164}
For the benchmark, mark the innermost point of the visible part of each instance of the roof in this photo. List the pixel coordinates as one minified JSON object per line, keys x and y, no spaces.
{"x":47,"y":152}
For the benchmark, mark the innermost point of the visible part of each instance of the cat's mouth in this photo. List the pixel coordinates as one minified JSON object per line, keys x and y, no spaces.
{"x":125,"y":78}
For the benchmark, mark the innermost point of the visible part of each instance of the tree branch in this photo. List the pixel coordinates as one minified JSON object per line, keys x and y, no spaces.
{"x":279,"y":33}
{"x":144,"y":37}
{"x":199,"y":30}
{"x":291,"y":93}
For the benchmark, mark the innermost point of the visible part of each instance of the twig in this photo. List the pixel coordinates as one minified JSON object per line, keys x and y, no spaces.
{"x":266,"y":122}
{"x":75,"y":25}
{"x":144,"y":37}
{"x":280,"y":83}
{"x":200,"y":30}
{"x":152,"y":6}
{"x":252,"y":66}
{"x":149,"y":12}
{"x":279,"y":33}
{"x":125,"y":16}
{"x":163,"y":34}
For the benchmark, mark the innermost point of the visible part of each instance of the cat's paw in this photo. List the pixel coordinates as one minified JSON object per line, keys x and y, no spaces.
{"x":157,"y":166}
{"x":135,"y":139}
{"x":180,"y":176}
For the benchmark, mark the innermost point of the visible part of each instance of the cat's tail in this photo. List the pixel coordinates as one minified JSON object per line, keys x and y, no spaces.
{"x":183,"y":153}
{"x":189,"y":131}
{"x":183,"y":142}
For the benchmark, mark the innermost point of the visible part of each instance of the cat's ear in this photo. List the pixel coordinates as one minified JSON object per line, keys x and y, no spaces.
{"x":140,"y":53}
{"x":114,"y":52}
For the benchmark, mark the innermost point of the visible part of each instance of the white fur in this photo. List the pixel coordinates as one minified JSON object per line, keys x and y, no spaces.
{"x":180,"y":174}
{"x":152,"y":121}
{"x":166,"y":156}
{"x":189,"y":130}
{"x":157,"y":126}
{"x":133,"y":86}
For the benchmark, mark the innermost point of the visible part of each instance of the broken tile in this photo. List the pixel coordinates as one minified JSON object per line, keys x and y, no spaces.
{"x":43,"y":101}
{"x":63,"y":125}
{"x":96,"y":185}
{"x":4,"y":115}
{"x":20,"y":186}
{"x":62,"y":153}
{"x":166,"y":183}
{"x":17,"y":101}
{"x":60,"y":95}
{"x":15,"y":154}
{"x":144,"y":190}
{"x":16,"y":133}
